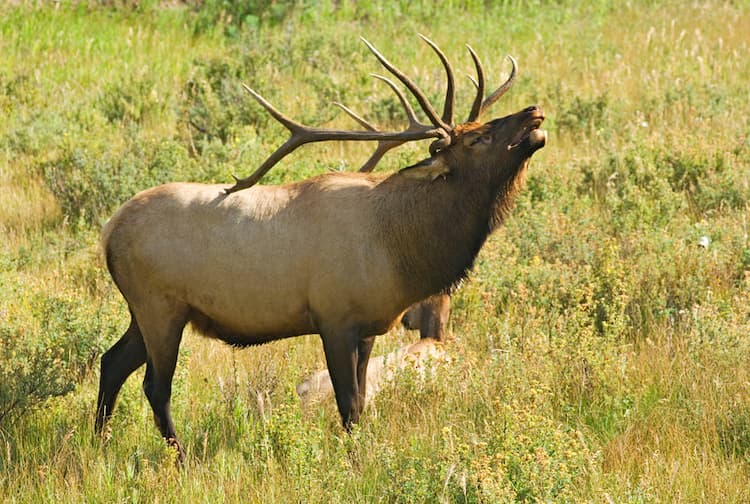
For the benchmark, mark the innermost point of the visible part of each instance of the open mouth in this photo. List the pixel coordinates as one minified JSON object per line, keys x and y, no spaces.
{"x":530,"y":134}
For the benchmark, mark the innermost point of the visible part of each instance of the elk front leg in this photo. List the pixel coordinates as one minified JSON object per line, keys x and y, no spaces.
{"x":342,"y":356}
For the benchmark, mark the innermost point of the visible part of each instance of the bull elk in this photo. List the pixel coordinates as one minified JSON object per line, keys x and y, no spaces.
{"x":341,"y":255}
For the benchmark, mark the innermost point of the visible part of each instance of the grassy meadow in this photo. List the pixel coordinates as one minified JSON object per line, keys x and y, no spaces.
{"x":600,"y":350}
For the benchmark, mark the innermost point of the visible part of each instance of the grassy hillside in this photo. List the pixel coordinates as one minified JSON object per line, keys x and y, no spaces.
{"x":599,"y":351}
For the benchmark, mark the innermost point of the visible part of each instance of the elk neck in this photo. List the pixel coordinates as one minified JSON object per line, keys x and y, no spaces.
{"x":435,"y":229}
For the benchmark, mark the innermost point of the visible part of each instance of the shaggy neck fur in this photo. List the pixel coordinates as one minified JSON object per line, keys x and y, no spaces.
{"x":435,"y":234}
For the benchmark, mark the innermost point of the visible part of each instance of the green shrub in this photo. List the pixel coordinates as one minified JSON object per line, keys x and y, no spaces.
{"x":89,"y":185}
{"x":38,"y":134}
{"x":30,"y":372}
{"x":17,"y":90}
{"x":135,"y":100}
{"x":734,"y":433}
{"x":583,"y":114}
{"x":500,"y":445}
{"x":49,"y":354}
{"x":640,"y":189}
{"x":234,"y":16}
{"x":216,"y":106}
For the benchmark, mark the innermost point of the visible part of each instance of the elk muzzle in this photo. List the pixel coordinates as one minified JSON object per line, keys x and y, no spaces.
{"x":529,"y":136}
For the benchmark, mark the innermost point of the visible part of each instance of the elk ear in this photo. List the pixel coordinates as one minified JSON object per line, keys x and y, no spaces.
{"x":429,"y":169}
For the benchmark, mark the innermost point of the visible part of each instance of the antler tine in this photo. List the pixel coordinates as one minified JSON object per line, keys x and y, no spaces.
{"x":380,"y":151}
{"x":505,"y":86}
{"x":294,"y":141}
{"x":413,"y":121}
{"x":476,"y":108}
{"x":287,"y":122}
{"x":412,"y":117}
{"x":386,"y":145}
{"x":421,"y":98}
{"x":383,"y":146}
{"x":362,"y":121}
{"x":450,"y":87}
{"x":301,"y":135}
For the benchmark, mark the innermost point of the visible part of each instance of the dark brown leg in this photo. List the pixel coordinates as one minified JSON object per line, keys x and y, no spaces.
{"x":341,"y":350}
{"x":158,"y":389}
{"x":119,"y":362}
{"x":363,"y":357}
{"x":430,"y":316}
{"x":162,"y":326}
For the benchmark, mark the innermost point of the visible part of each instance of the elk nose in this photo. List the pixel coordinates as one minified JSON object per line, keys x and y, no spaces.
{"x":534,"y":112}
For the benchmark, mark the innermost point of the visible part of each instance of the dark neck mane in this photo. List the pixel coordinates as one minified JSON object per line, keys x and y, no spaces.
{"x":435,"y":233}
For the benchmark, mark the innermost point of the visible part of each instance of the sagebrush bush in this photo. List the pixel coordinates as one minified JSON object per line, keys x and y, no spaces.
{"x":216,"y":106}
{"x":30,"y":372}
{"x":90,"y":184}
{"x":136,"y":101}
{"x":47,"y":352}
{"x":234,"y":16}
{"x":733,"y":431}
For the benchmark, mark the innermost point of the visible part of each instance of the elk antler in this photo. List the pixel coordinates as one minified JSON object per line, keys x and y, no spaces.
{"x":441,"y":128}
{"x":480,"y":106}
{"x":386,"y":145}
{"x":450,"y":87}
{"x":301,"y":134}
{"x":447,"y":117}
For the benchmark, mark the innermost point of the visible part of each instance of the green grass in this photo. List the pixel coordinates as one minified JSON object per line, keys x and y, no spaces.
{"x":598,"y":352}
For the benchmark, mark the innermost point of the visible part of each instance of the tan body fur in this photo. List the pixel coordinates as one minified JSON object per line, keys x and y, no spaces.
{"x":271,"y":261}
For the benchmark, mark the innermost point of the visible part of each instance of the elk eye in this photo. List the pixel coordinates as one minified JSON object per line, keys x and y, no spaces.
{"x":484,"y":139}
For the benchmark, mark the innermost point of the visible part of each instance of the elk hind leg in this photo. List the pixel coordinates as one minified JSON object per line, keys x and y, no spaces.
{"x":162,"y":335}
{"x":119,"y":362}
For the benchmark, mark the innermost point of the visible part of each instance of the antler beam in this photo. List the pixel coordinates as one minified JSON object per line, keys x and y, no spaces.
{"x":301,"y":134}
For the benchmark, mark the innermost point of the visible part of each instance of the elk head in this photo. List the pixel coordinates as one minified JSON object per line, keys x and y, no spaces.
{"x":518,"y":133}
